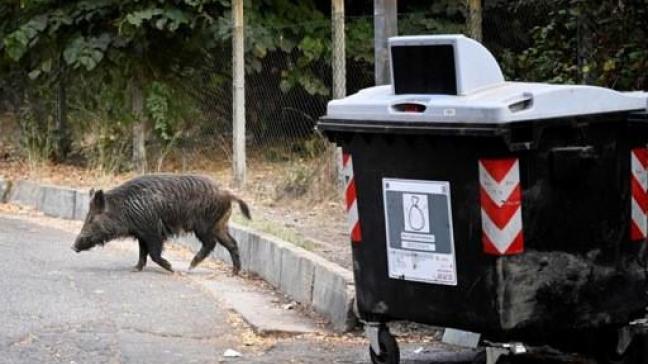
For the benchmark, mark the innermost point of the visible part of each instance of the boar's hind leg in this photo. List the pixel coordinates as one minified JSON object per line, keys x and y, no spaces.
{"x":155,"y":252}
{"x":208,"y":241}
{"x":232,"y":247}
{"x":143,"y":253}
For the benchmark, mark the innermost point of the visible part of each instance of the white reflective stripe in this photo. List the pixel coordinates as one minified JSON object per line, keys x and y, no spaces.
{"x":499,"y":192}
{"x":347,"y":170}
{"x":352,"y":215}
{"x":639,"y":218}
{"x":502,"y":239}
{"x":639,"y":171}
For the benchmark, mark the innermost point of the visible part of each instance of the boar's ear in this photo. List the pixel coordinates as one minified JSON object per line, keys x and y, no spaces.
{"x":98,"y":202}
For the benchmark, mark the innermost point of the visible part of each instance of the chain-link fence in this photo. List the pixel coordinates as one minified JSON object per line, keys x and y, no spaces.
{"x":286,"y":91}
{"x":289,"y":82}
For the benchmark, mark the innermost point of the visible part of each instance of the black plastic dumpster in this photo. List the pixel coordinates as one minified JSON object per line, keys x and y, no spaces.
{"x":515,"y":210}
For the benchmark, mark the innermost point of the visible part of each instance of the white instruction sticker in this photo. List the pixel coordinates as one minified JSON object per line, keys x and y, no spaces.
{"x":420,"y":243}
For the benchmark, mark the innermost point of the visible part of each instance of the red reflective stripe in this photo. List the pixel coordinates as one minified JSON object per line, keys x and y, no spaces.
{"x":350,"y":197}
{"x":635,"y":232}
{"x":356,"y":235}
{"x":350,"y":193}
{"x":501,"y":219}
{"x":639,"y":194}
{"x":498,"y":168}
{"x":501,"y":215}
{"x":345,"y":159}
{"x":642,"y":156}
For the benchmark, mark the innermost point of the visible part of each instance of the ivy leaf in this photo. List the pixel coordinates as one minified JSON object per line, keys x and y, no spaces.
{"x":34,"y":74}
{"x":609,"y":65}
{"x":311,"y":47}
{"x":160,"y":23}
{"x":15,"y":47}
{"x":86,"y":52}
{"x":38,"y":23}
{"x":25,"y":37}
{"x":136,"y":18}
{"x":57,"y":19}
{"x":176,"y":18}
{"x":285,"y":86}
{"x":157,"y":105}
{"x":46,"y":66}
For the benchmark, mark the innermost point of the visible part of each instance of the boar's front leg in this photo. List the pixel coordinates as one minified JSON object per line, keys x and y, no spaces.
{"x":155,"y":252}
{"x":143,"y":253}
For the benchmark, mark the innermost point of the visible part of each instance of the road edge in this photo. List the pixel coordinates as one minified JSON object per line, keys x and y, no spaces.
{"x":307,"y":278}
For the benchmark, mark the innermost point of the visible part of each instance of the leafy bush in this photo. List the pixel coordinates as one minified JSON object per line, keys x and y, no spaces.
{"x":584,"y":41}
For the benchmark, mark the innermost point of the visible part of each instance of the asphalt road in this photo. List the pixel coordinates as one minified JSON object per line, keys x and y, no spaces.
{"x":57,"y":306}
{"x":60,"y":307}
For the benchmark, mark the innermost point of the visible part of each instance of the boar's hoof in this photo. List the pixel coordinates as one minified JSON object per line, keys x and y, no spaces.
{"x":235,"y":270}
{"x":137,"y":268}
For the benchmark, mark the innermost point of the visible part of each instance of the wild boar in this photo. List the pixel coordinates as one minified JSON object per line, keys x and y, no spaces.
{"x":152,"y":208}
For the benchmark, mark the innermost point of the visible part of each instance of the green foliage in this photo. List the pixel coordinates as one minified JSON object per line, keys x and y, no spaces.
{"x":169,"y":109}
{"x":279,"y":26}
{"x":157,"y":105}
{"x":440,"y":17}
{"x":302,"y":34}
{"x":85,"y":33}
{"x":113,"y":43}
{"x":178,"y":52}
{"x":102,"y":121}
{"x":586,"y":41}
{"x":18,"y":42}
{"x":359,"y":44}
{"x":296,"y":181}
{"x":170,"y":19}
{"x":36,"y":136}
{"x":86,"y":52}
{"x":109,"y":151}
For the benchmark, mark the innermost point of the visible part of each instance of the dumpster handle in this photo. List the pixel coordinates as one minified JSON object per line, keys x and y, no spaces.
{"x":583,"y":152}
{"x":409,"y":107}
{"x":524,"y":102}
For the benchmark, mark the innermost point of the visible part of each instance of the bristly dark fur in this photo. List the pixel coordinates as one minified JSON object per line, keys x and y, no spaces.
{"x":152,"y":208}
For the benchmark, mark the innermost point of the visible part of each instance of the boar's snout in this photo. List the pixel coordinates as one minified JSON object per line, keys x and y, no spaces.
{"x":83,"y":243}
{"x":77,"y":245}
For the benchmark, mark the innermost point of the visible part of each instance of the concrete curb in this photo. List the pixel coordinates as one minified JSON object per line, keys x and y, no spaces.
{"x":304,"y":276}
{"x":59,"y":202}
{"x":26,"y":193}
{"x":5,"y":186}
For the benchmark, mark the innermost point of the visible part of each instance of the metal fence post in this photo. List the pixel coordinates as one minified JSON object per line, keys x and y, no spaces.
{"x":139,"y":127}
{"x":338,"y":45}
{"x":339,"y":76}
{"x":385,"y":26}
{"x":475,"y":19}
{"x":238,"y":97}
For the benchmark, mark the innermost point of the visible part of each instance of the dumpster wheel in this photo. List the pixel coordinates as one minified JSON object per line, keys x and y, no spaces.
{"x":389,"y":351}
{"x":635,"y":349}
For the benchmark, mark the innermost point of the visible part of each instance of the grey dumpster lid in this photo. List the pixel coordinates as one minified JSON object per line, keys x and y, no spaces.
{"x":483,"y":96}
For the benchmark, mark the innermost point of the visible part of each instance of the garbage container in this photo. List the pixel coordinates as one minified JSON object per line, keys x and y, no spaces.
{"x":515,"y":210}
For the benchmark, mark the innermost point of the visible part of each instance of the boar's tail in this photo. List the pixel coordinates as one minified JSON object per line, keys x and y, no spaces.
{"x":243,"y":206}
